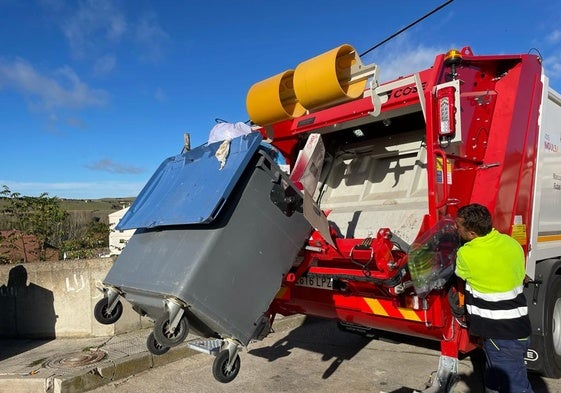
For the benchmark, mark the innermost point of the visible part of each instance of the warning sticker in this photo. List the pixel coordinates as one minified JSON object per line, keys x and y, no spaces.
{"x":440,"y":171}
{"x":519,"y":233}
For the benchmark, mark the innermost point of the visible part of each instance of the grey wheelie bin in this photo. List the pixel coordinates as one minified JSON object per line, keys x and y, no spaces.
{"x":210,"y":249}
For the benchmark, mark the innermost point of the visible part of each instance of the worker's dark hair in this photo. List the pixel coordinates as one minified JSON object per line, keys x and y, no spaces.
{"x":476,"y":218}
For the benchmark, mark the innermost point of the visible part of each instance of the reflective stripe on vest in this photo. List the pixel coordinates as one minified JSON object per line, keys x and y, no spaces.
{"x":497,"y":314}
{"x":495,"y":296}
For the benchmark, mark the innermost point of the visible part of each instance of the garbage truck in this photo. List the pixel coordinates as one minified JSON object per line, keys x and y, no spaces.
{"x":359,"y":183}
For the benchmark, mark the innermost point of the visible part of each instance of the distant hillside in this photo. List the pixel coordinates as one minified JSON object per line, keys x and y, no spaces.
{"x":84,"y":210}
{"x":104,"y":204}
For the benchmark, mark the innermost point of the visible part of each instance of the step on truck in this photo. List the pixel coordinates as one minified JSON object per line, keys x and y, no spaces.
{"x":367,"y":178}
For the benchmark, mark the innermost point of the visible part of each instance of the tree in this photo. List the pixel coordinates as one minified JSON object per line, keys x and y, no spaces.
{"x":93,"y":239}
{"x":40,"y":216}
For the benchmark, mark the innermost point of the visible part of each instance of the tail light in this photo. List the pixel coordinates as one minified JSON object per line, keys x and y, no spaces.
{"x":446,"y":113}
{"x":448,"y":99}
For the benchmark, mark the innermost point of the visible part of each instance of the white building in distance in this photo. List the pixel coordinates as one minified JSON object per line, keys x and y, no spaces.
{"x":118,"y":239}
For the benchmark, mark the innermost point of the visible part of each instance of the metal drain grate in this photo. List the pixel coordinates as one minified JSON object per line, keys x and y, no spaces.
{"x":74,"y":360}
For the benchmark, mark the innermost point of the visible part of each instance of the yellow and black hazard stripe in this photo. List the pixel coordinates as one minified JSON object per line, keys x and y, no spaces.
{"x":387,"y":309}
{"x":378,"y":307}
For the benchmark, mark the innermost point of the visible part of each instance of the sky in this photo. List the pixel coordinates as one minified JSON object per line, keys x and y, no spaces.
{"x":96,"y":94}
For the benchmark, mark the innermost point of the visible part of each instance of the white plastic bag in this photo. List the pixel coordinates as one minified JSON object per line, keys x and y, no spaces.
{"x":227,"y":131}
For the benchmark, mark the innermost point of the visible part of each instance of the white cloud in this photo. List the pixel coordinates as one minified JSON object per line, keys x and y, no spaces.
{"x":552,"y":66}
{"x":75,"y":122}
{"x":105,"y":65}
{"x":150,"y":38}
{"x":552,"y":61}
{"x":107,"y":165}
{"x":554,"y":37}
{"x":63,"y":89}
{"x":94,"y":28}
{"x":159,"y":95}
{"x":404,"y":58}
{"x":95,"y":22}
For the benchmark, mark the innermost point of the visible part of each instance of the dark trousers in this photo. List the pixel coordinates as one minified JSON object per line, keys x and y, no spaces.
{"x":505,"y":369}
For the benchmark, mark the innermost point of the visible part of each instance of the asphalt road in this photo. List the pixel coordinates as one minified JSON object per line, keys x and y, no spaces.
{"x":316,"y":357}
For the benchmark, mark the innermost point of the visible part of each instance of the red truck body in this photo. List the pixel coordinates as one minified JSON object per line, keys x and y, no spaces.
{"x":400,"y":159}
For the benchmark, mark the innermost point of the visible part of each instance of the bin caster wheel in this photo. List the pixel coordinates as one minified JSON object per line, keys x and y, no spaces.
{"x":220,"y":369}
{"x":167,"y":337}
{"x":154,"y":346}
{"x":103,"y":316}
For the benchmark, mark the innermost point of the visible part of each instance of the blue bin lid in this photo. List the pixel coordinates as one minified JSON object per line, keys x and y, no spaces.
{"x":190,"y":188}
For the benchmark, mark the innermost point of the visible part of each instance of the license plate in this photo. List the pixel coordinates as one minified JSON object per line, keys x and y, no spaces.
{"x":313,"y":281}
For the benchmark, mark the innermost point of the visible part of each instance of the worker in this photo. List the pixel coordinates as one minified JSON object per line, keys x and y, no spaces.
{"x":493,"y":267}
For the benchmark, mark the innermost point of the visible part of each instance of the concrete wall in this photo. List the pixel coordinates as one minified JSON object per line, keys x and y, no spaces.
{"x":56,"y":299}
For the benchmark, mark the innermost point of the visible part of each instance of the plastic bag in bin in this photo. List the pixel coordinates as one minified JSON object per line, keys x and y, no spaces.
{"x":432,"y":256}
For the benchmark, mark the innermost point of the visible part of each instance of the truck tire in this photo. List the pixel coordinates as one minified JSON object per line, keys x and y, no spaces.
{"x":551,"y":350}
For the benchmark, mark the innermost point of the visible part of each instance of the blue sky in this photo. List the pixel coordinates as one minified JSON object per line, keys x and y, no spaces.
{"x":95,"y":94}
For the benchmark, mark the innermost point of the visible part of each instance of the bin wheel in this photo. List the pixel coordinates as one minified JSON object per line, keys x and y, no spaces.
{"x":103,"y":316}
{"x":165,"y":336}
{"x":220,"y":369}
{"x":154,"y":346}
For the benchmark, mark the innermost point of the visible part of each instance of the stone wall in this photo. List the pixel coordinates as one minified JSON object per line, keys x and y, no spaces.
{"x":56,"y":299}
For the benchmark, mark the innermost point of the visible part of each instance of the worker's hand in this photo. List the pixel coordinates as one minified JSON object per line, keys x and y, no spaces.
{"x":456,"y":302}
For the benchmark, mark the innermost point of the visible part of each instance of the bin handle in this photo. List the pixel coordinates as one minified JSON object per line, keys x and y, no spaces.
{"x":264,"y":164}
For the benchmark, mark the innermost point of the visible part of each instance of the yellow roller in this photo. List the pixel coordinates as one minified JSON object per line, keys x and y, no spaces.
{"x":273,"y":100}
{"x":326,"y":79}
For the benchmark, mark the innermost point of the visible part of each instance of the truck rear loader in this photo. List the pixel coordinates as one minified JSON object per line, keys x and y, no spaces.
{"x":379,"y":171}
